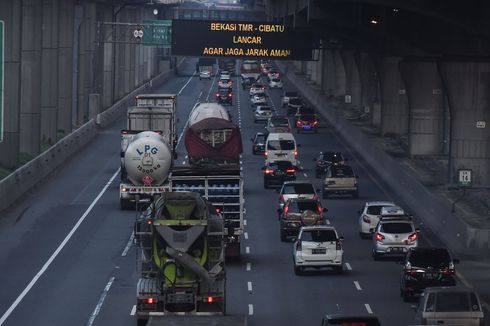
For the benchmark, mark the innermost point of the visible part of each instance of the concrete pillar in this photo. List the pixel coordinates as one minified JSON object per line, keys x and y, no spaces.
{"x":426,"y":107}
{"x":394,"y":105}
{"x":107,"y":47}
{"x":339,"y":75}
{"x":352,"y":78}
{"x":467,"y":85}
{"x":10,"y":13}
{"x":49,"y":73}
{"x":328,"y":73}
{"x":65,"y":67}
{"x":30,"y":78}
{"x":369,"y":87}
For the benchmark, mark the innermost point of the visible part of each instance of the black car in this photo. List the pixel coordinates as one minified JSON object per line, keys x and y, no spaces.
{"x":364,"y":320}
{"x":426,"y":267}
{"x":258,"y":146}
{"x":307,"y":122}
{"x":276,"y":172}
{"x":324,"y":159}
{"x":224,"y":96}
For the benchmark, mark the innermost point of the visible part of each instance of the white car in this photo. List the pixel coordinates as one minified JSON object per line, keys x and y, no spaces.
{"x":296,"y":189}
{"x":256,"y":88}
{"x":205,"y":74}
{"x":262,"y":113}
{"x":258,"y":99}
{"x":369,"y":216}
{"x":224,"y":74}
{"x":275,"y":83}
{"x":318,"y":246}
{"x":225,"y":82}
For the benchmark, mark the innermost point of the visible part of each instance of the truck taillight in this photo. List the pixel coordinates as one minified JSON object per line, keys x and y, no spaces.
{"x":285,"y":210}
{"x":217,"y":94}
{"x":319,"y":209}
{"x":295,"y":154}
{"x":210,"y":300}
{"x":266,"y":153}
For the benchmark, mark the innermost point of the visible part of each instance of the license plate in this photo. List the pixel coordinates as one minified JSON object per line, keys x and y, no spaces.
{"x":306,"y":127}
{"x":431,"y":276}
{"x":396,"y":249}
{"x":319,"y":251}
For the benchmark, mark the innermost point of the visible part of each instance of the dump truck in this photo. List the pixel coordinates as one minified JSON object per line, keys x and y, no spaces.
{"x":250,"y":69}
{"x":227,"y":64}
{"x":180,"y":239}
{"x":145,"y":166}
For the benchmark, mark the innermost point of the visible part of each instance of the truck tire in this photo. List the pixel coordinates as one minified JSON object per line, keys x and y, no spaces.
{"x":298,"y":270}
{"x":338,"y":269}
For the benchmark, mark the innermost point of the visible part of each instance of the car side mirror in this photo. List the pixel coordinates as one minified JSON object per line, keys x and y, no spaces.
{"x":294,"y":239}
{"x":341,"y":238}
{"x":417,"y":230}
{"x":456,"y":260}
{"x":325,"y":209}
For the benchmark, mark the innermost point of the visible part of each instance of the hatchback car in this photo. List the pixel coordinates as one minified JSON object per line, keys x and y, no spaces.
{"x":225,"y":83}
{"x":340,"y":179}
{"x":394,"y":236}
{"x":286,"y":96}
{"x":325,"y":159}
{"x":369,"y":216}
{"x":258,"y":99}
{"x":296,"y":189}
{"x":293,"y":105}
{"x":262,"y":113}
{"x":275,"y":83}
{"x":424,"y":267}
{"x":454,"y":305}
{"x":318,"y":246}
{"x":224,"y":96}
{"x":278,"y":123}
{"x":276,"y":172}
{"x":258,"y":143}
{"x":256,"y":88}
{"x":307,"y":122}
{"x":298,"y":212}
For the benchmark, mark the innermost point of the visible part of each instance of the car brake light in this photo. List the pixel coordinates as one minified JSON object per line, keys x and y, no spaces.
{"x":411,"y":272}
{"x":379,"y":237}
{"x":285,"y":210}
{"x":315,"y":122}
{"x":266,"y":154}
{"x":448,"y":271}
{"x":209,"y":299}
{"x":290,"y":170}
{"x":151,"y":300}
{"x":319,"y":209}
{"x":295,"y":154}
{"x":268,"y":171}
{"x":217,"y":94}
{"x":366,"y":219}
{"x":298,"y":246}
{"x":338,"y":246}
{"x":230,"y":94}
{"x":413,"y":236}
{"x":299,"y":123}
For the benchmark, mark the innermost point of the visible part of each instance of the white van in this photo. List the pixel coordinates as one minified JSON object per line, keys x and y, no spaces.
{"x":281,"y":146}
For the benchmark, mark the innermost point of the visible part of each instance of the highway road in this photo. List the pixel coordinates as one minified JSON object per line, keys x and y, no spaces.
{"x":67,"y":256}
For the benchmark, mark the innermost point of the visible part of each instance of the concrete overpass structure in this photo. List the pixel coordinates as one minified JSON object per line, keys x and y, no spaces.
{"x":419,"y":69}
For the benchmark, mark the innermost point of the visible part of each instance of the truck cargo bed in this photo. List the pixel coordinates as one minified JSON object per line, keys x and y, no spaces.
{"x":197,"y":321}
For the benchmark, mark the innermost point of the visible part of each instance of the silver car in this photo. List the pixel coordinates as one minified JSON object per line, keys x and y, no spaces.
{"x":452,"y":305}
{"x":394,"y":235}
{"x":296,"y":189}
{"x":369,"y":216}
{"x":262,"y":113}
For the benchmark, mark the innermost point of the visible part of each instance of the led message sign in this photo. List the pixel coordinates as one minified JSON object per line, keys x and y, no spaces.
{"x":239,"y":39}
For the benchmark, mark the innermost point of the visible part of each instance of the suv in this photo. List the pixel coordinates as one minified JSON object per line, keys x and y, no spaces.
{"x":340,"y":179}
{"x":287,"y":95}
{"x":276,"y":172}
{"x":278,"y":123}
{"x":258,"y":146}
{"x":394,"y":235}
{"x":224,"y":96}
{"x":369,"y":216}
{"x":452,"y":305}
{"x":318,"y":246}
{"x":295,"y":189}
{"x":324,"y":159}
{"x":424,"y":267}
{"x":299,"y":212}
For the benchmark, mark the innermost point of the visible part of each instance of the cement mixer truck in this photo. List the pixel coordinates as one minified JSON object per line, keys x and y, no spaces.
{"x":180,"y":241}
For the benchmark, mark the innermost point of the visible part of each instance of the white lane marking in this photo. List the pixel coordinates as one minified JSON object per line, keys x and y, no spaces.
{"x":246,"y":235}
{"x":128,"y":245}
{"x":328,"y":222}
{"x":249,"y":267}
{"x":133,"y":311}
{"x":348,"y":266}
{"x":244,"y":222}
{"x":200,"y":94}
{"x":358,"y":286}
{"x":250,"y":309}
{"x":185,"y":85}
{"x":247,"y":249}
{"x":101,"y":301}
{"x":56,"y":252}
{"x":368,"y":308}
{"x":306,"y":175}
{"x":249,"y":287}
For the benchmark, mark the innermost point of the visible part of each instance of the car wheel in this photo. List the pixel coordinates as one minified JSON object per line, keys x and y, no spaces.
{"x":375,"y":255}
{"x":362,"y":235}
{"x":338,"y":269}
{"x":298,"y":270}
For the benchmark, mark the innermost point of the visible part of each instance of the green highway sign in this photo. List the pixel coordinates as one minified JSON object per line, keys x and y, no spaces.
{"x":157,"y":33}
{"x":1,"y":77}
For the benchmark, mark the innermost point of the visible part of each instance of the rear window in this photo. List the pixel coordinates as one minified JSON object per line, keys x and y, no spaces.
{"x":277,"y":145}
{"x":301,"y":206}
{"x":319,"y":235}
{"x":424,"y":258}
{"x":453,"y":301}
{"x":264,"y":108}
{"x":279,"y":122}
{"x":295,"y":101}
{"x":307,"y":117}
{"x":342,"y":172}
{"x":374,"y":210}
{"x":396,"y":228}
{"x":302,"y":188}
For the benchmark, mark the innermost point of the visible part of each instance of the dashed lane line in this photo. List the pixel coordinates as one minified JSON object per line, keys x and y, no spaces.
{"x":347,"y":265}
{"x":249,"y":267}
{"x":249,"y":287}
{"x":368,"y":308}
{"x":246,"y":235}
{"x":128,"y":245}
{"x":101,"y":302}
{"x":250,"y":309}
{"x":247,"y":249}
{"x":133,"y":311}
{"x":358,"y":286}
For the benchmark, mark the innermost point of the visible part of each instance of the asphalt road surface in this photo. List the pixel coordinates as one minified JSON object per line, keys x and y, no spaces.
{"x":67,"y":257}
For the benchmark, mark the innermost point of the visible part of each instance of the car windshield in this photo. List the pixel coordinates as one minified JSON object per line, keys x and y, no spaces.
{"x":224,"y":91}
{"x":285,"y":145}
{"x":342,"y":172}
{"x":301,"y":206}
{"x":295,"y":101}
{"x":257,"y":86}
{"x":260,"y":138}
{"x":431,"y":257}
{"x":318,"y":235}
{"x":260,"y":95}
{"x":396,"y":228}
{"x":263,"y":108}
{"x":307,"y":117}
{"x":299,"y":188}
